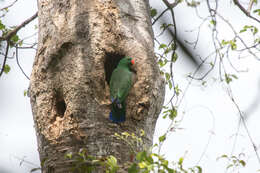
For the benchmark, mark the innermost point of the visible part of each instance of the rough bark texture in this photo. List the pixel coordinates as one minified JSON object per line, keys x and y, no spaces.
{"x":80,"y":43}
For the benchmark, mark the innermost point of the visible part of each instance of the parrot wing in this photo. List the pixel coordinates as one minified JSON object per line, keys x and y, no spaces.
{"x":120,"y":84}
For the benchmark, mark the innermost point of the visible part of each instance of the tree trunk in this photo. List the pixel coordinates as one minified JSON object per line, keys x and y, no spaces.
{"x":80,"y":43}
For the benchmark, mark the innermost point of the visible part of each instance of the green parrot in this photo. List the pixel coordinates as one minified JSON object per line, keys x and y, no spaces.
{"x":120,"y":84}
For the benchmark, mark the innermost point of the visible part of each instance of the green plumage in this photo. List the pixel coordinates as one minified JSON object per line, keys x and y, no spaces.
{"x":120,"y":84}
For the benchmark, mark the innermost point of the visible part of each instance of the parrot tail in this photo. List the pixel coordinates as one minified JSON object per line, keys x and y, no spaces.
{"x":117,"y":114}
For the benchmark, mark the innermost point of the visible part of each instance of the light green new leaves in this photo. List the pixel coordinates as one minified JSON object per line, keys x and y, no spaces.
{"x":232,"y":44}
{"x":257,"y":11}
{"x":230,"y":77}
{"x":7,"y":68}
{"x":153,"y":12}
{"x":252,"y":28}
{"x":2,"y":26}
{"x":162,"y":138}
{"x":234,"y":161}
{"x":111,"y":164}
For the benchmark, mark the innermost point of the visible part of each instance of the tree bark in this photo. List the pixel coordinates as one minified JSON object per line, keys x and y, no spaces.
{"x":79,"y":44}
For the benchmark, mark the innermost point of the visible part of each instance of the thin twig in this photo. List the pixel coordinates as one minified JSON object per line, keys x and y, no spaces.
{"x":28,"y":47}
{"x":9,"y":5}
{"x":245,"y":126}
{"x":155,"y":20}
{"x":17,"y":61}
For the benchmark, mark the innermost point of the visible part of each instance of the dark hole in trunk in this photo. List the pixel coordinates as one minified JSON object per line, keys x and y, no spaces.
{"x":61,"y":107}
{"x":111,"y":62}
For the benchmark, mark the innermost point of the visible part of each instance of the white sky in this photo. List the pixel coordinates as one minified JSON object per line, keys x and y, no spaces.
{"x":208,"y":110}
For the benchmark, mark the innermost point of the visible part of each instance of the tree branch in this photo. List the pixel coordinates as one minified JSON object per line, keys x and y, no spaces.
{"x":250,"y":5}
{"x":10,"y":34}
{"x":169,"y":6}
{"x":14,"y":31}
{"x":236,"y":2}
{"x":5,"y":58}
{"x":155,"y":20}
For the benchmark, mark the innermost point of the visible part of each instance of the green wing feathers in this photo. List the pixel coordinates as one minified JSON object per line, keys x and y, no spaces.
{"x":120,"y":83}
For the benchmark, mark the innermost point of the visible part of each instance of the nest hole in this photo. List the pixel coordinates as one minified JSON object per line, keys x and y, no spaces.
{"x":111,"y":62}
{"x":61,"y":107}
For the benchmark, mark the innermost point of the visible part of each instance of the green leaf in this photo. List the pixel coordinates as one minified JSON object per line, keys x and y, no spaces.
{"x":142,"y":132}
{"x":25,"y":93}
{"x":229,"y":166}
{"x":242,"y":162}
{"x":167,"y":76}
{"x":164,"y":26}
{"x":233,"y":44}
{"x":193,"y":3}
{"x":15,"y":38}
{"x":180,"y":161}
{"x":162,"y":138}
{"x":112,"y":160}
{"x":257,"y":40}
{"x":133,"y":169}
{"x":224,"y":42}
{"x":2,"y":26}
{"x":68,"y":155}
{"x":199,"y":169}
{"x":228,"y":79}
{"x":173,"y":114}
{"x":257,"y":11}
{"x":6,"y":68}
{"x":142,"y":165}
{"x":252,"y":28}
{"x":165,"y":163}
{"x":170,"y":84}
{"x":177,"y":90}
{"x":242,"y":30}
{"x":174,"y":57}
{"x":162,"y":46}
{"x":141,"y":156}
{"x":112,"y":164}
{"x":153,"y":12}
{"x":162,"y":63}
{"x":213,"y":22}
{"x":167,"y":50}
{"x":223,"y":156}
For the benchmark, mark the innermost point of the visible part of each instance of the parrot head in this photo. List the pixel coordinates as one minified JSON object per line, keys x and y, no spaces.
{"x":126,"y":61}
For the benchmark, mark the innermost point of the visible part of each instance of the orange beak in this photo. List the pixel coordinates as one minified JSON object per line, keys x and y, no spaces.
{"x":132,"y":62}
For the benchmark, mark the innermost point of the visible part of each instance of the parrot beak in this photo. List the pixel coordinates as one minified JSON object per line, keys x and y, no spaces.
{"x":132,"y":62}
